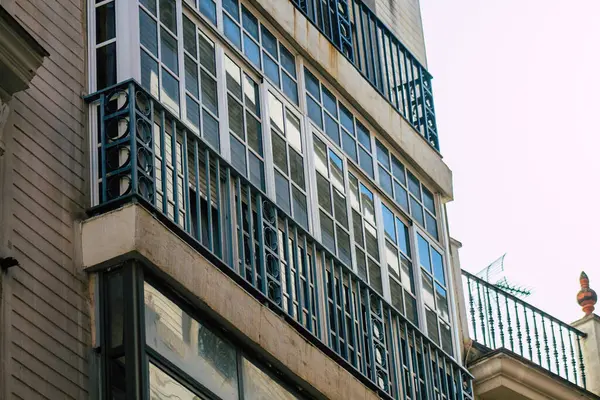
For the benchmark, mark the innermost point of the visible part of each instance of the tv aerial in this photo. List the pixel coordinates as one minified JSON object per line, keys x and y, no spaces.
{"x":494,"y":274}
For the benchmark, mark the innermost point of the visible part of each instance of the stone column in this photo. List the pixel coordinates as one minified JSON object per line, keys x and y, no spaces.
{"x":590,"y":325}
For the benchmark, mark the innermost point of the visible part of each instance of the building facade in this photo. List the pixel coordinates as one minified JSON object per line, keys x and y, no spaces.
{"x":224,"y":199}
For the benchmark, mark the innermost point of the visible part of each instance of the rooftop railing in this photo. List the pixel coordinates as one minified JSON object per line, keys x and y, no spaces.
{"x":380,"y":56}
{"x":145,"y":154}
{"x":498,"y":319}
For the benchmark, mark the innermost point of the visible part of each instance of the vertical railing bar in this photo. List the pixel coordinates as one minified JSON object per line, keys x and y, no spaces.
{"x":316,"y":288}
{"x":471,"y":307}
{"x":490,"y":317}
{"x":209,"y":228}
{"x":481,"y":316}
{"x":546,"y":347}
{"x":401,"y":377}
{"x":308,"y":280}
{"x":537,"y":338}
{"x":418,"y":368}
{"x":581,"y":363}
{"x":251,"y":234}
{"x":370,"y":335}
{"x":508,"y":321}
{"x":326,"y":299}
{"x":261,"y":245}
{"x":198,"y":203}
{"x":402,"y":60}
{"x":499,"y":314}
{"x":395,"y":87}
{"x":103,"y":185}
{"x":573,"y":359}
{"x":335,"y":310}
{"x":240,"y":222}
{"x":425,"y":131}
{"x":343,"y":312}
{"x":564,"y":352}
{"x":186,"y":183}
{"x":527,"y":333}
{"x":363,"y":350}
{"x":219,"y":238}
{"x":153,"y":148}
{"x":163,"y":162}
{"x":427,"y":364}
{"x":353,"y":318}
{"x":395,"y":384}
{"x":133,"y":158}
{"x":297,"y":274}
{"x":555,"y":348}
{"x":288,"y":274}
{"x":174,"y":163}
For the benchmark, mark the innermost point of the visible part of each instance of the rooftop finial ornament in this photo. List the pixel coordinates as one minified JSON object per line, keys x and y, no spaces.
{"x":586,"y":297}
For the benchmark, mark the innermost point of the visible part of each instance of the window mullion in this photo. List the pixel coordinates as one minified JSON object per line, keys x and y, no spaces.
{"x":224,"y":139}
{"x":312,"y":178}
{"x":267,"y":143}
{"x":417,"y":276}
{"x":350,"y":215}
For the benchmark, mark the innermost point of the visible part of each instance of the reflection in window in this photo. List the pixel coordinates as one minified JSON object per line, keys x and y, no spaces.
{"x":189,"y":345}
{"x":261,"y":47}
{"x":338,"y":123}
{"x":106,"y":45}
{"x":260,"y":386}
{"x":164,"y":387}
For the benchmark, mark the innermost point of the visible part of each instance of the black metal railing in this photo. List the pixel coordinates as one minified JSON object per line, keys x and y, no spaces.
{"x":146,"y":154}
{"x":380,"y":56}
{"x":498,"y":319}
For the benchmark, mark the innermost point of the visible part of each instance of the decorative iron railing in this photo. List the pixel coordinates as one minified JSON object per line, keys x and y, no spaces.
{"x":147,"y":155}
{"x":499,"y":319}
{"x":381,"y":58}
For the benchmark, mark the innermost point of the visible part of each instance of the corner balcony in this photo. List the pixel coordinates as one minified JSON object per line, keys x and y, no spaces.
{"x":504,"y":326}
{"x":146,"y":156}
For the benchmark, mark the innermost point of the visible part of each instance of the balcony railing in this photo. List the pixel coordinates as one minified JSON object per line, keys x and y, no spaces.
{"x":381,"y":58}
{"x":500,"y":320}
{"x":147,"y":155}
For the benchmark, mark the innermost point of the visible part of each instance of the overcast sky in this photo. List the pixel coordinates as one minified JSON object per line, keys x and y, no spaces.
{"x":516,"y":86}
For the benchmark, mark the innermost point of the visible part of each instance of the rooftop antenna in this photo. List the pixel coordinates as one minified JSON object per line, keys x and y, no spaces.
{"x":494,"y":274}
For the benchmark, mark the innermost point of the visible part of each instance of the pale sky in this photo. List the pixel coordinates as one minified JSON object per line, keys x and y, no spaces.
{"x":516,"y":86}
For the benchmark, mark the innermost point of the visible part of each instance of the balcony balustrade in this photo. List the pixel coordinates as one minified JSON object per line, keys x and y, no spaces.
{"x":145,"y":154}
{"x":380,"y":56}
{"x":498,"y":319}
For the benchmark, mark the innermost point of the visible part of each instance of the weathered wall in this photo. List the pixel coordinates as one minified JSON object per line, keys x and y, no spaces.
{"x":45,"y":322}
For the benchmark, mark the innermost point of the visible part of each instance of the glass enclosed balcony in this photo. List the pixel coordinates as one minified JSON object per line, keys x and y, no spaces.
{"x":145,"y":153}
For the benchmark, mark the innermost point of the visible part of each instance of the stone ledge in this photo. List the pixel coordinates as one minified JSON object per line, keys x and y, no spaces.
{"x":132,"y":230}
{"x":349,"y":81}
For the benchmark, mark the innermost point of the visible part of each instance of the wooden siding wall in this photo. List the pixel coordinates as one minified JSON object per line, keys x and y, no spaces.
{"x":46,"y":328}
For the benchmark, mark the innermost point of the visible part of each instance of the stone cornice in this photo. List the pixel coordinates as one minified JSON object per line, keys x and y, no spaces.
{"x":20,"y":56}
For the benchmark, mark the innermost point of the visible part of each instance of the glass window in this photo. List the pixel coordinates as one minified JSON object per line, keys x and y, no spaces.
{"x":190,"y":346}
{"x":164,"y":387}
{"x":260,"y":386}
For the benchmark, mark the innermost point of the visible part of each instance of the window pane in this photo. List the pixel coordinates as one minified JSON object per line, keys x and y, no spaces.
{"x":441,"y":300}
{"x":353,"y":187}
{"x":207,"y":55}
{"x":300,"y":211}
{"x":276,"y":113}
{"x":231,"y":6}
{"x":168,"y":48}
{"x":297,"y":168}
{"x":407,"y":276}
{"x":149,"y":4}
{"x":396,"y":292}
{"x":347,"y":119}
{"x":416,"y":211}
{"x":191,"y":76}
{"x":164,"y":387}
{"x":358,"y":228}
{"x":271,"y":69}
{"x":339,"y":206}
{"x":424,"y":253}
{"x":428,"y":291}
{"x":382,"y":154}
{"x":314,"y":112}
{"x":148,"y":33}
{"x":389,"y":224}
{"x":257,"y":171}
{"x":428,"y":201}
{"x":446,"y":338}
{"x":320,"y":156}
{"x":290,"y":88}
{"x":411,"y":308}
{"x":329,"y":102}
{"x":269,"y":42}
{"x":401,"y":196}
{"x":254,"y":134}
{"x":282,"y":192}
{"x":363,"y":136}
{"x":337,"y":171}
{"x":209,"y":93}
{"x":327,"y":232}
{"x":193,"y":111}
{"x":312,"y":85}
{"x":432,"y":326}
{"x":168,"y":15}
{"x":251,"y":50}
{"x":236,"y":118}
{"x":368,"y":207}
{"x":375,"y":277}
{"x":324,"y":193}
{"x":259,"y":386}
{"x":106,"y":66}
{"x":431,"y":225}
{"x":287,"y":60}
{"x":349,"y":145}
{"x":208,"y":8}
{"x":331,"y":129}
{"x":238,"y":155}
{"x":366,"y":162}
{"x":170,"y":92}
{"x":385,"y":180}
{"x":115,"y":309}
{"x":251,"y":96}
{"x":438,"y":266}
{"x":361,"y":264}
{"x":232,"y":31}
{"x":190,"y":346}
{"x":403,"y":237}
{"x":250,"y":22}
{"x":292,"y":131}
{"x":210,"y":129}
{"x":343,"y":242}
{"x":371,"y":241}
{"x":398,"y":170}
{"x":279,"y":152}
{"x":391,"y":256}
{"x":189,"y":36}
{"x":149,"y":69}
{"x":414,"y":186}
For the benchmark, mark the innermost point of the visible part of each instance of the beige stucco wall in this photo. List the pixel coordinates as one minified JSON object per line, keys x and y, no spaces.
{"x":133,"y":230}
{"x":590,"y":350}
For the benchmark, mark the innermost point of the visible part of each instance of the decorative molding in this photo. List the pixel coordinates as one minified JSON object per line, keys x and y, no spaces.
{"x":20,"y":56}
